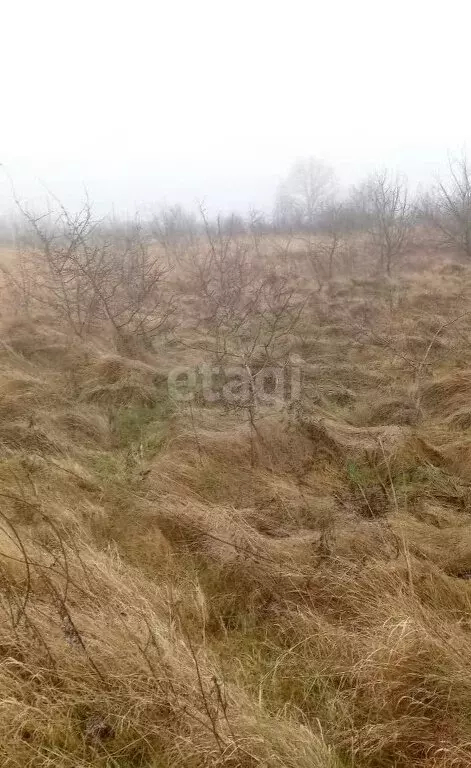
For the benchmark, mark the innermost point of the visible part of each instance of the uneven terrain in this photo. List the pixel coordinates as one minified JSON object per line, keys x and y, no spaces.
{"x":191,"y":584}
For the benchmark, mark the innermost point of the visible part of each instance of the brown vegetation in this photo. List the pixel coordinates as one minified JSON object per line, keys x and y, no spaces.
{"x":210,"y":584}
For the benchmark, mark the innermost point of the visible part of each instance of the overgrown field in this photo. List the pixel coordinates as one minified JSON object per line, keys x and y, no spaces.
{"x":284,"y":584}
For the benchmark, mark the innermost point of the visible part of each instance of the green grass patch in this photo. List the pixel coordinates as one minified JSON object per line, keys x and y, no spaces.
{"x":141,"y":425}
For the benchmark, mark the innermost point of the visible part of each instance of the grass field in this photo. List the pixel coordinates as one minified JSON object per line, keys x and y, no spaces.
{"x":192,"y":584}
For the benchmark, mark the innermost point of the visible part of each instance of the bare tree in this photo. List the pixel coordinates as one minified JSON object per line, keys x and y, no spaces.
{"x":308,"y":187}
{"x":389,"y":215}
{"x":448,"y":207}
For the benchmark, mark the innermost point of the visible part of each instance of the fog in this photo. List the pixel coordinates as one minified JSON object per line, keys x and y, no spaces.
{"x":146,"y":102}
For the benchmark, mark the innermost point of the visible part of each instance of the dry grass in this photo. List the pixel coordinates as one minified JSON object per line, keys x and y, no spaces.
{"x":179,"y":590}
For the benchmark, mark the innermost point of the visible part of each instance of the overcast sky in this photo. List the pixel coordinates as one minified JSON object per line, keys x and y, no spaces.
{"x":143,"y":101}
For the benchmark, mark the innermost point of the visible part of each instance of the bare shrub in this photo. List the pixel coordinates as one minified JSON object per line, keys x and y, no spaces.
{"x":323,"y":249}
{"x":87,"y":276}
{"x":244,"y":313}
{"x":385,"y":199}
{"x":246,"y":307}
{"x":448,"y":207}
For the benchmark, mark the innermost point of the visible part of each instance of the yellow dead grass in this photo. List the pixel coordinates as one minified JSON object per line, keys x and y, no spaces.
{"x":180,"y":589}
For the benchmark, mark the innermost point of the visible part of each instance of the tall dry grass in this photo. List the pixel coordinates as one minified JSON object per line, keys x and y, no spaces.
{"x":174,"y":595}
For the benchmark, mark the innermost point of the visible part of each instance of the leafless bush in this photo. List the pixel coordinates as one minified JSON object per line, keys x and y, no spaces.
{"x":86,"y":276}
{"x":245,"y":315}
{"x":448,"y":207}
{"x":389,"y":215}
{"x":322,"y":249}
{"x":242,"y":303}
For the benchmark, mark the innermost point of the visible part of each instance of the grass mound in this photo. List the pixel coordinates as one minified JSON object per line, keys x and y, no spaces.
{"x":447,"y":394}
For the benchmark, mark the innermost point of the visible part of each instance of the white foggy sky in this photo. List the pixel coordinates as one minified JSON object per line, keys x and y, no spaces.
{"x":143,"y":101}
